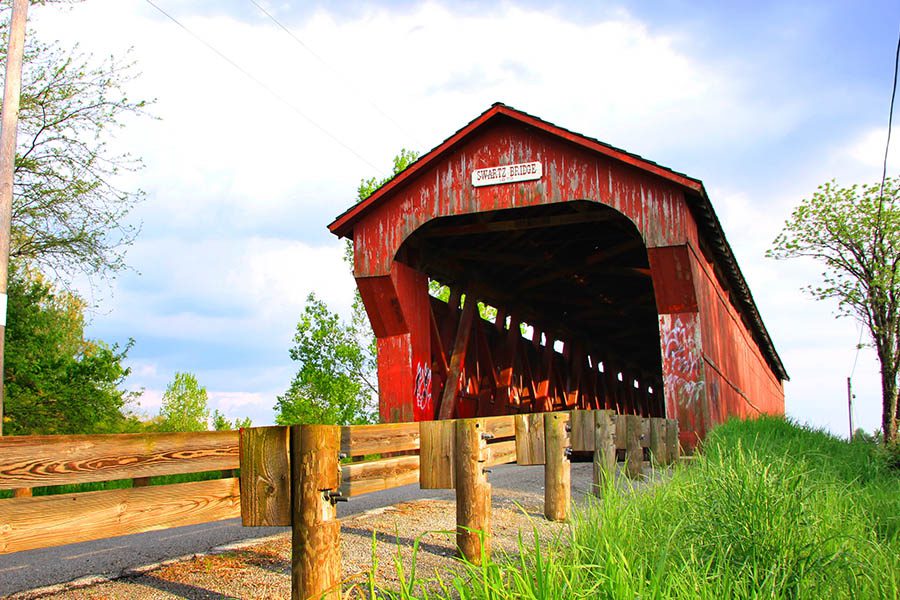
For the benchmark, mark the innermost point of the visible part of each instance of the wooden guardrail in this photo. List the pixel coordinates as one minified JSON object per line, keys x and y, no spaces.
{"x":34,"y":461}
{"x":449,"y":454}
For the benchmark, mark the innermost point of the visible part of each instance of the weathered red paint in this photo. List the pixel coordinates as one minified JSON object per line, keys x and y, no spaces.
{"x":656,"y":206}
{"x":398,"y":306}
{"x":712,"y":361}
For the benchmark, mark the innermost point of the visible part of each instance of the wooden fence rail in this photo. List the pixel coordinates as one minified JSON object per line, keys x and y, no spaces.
{"x":31,"y":461}
{"x":448,"y":454}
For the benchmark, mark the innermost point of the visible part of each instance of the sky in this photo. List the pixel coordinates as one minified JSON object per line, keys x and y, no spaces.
{"x":262,"y":132}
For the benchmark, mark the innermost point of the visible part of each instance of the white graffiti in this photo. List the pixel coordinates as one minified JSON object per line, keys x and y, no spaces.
{"x":681,"y":361}
{"x":423,"y":386}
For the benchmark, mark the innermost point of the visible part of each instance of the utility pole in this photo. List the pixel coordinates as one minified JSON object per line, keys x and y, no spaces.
{"x":850,"y":407}
{"x":9,"y":121}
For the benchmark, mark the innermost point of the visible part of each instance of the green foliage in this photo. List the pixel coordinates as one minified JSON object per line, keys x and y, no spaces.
{"x":68,"y":214}
{"x":335,"y":382}
{"x":220,"y":423}
{"x":769,"y":510}
{"x":854,"y":233}
{"x":57,"y":381}
{"x":184,"y":406}
{"x":368,"y":186}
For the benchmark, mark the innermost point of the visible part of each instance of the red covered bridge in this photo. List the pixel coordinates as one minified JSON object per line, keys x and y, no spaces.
{"x":615,"y":267}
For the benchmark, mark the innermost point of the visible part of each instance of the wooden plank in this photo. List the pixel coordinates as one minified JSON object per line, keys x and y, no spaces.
{"x":265,"y":477}
{"x":437,"y":343}
{"x":604,"y":449}
{"x":673,"y":449}
{"x":645,"y":433}
{"x":506,"y":361}
{"x":360,"y":440}
{"x":45,"y":521}
{"x":501,"y":453}
{"x":634,"y":453}
{"x":457,"y":359}
{"x":582,"y":433}
{"x":542,"y":389}
{"x":501,"y":427}
{"x":31,"y":461}
{"x":383,"y":474}
{"x":436,"y":453}
{"x":530,"y":439}
{"x":658,"y":441}
{"x":571,"y":269}
{"x":621,"y":431}
{"x":520,"y":224}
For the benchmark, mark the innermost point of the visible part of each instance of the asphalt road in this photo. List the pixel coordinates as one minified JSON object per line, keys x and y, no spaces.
{"x":112,"y":557}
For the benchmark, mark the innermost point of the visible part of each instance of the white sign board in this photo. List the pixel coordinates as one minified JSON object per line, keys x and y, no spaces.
{"x":507,"y":174}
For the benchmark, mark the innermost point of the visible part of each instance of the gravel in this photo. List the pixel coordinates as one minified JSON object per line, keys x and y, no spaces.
{"x":261,"y":569}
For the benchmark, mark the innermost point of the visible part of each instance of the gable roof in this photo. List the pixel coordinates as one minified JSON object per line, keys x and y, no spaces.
{"x":708,"y":223}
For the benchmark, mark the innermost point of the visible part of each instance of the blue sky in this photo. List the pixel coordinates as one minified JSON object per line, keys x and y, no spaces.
{"x":762,"y":101}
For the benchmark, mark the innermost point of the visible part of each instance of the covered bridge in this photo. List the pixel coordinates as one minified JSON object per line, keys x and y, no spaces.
{"x":613,"y":284}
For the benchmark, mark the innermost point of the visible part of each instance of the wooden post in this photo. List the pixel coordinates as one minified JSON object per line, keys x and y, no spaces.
{"x":316,"y":532}
{"x":473,"y":492}
{"x":10,"y":121}
{"x":658,"y":441}
{"x":557,"y":474}
{"x":604,"y":449}
{"x":672,"y":447}
{"x":634,"y":453}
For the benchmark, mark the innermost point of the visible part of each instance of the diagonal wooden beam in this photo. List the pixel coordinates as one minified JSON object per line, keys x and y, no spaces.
{"x":437,"y":343}
{"x":457,"y":359}
{"x":485,"y":356}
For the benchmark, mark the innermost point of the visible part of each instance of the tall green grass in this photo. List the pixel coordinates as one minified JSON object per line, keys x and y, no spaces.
{"x":769,"y":510}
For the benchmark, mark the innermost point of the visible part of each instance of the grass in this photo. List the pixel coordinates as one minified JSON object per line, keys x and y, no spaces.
{"x":769,"y":510}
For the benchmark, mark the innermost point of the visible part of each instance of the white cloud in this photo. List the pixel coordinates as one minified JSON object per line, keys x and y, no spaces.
{"x":241,"y":186}
{"x":866,"y":151}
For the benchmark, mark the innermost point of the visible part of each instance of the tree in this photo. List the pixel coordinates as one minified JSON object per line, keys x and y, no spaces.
{"x":855,"y":233}
{"x":335,"y":382}
{"x":57,"y":381}
{"x":367,"y":187}
{"x":184,"y":406}
{"x":220,"y":423}
{"x":68,"y":215}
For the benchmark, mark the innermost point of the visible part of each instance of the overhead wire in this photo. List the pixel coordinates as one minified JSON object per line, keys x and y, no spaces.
{"x":887,"y":147}
{"x":343,"y":78}
{"x":265,"y":87}
{"x":887,"y":144}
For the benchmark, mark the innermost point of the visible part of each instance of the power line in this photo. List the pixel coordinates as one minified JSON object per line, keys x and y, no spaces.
{"x":858,"y":348}
{"x":344,"y":79}
{"x":261,"y":84}
{"x":887,"y":145}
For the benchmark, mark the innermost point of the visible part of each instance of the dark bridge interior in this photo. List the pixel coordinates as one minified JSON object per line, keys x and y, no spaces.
{"x":574,"y":273}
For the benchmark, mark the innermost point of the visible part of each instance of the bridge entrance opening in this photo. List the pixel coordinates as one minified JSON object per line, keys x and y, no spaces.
{"x":566,"y":315}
